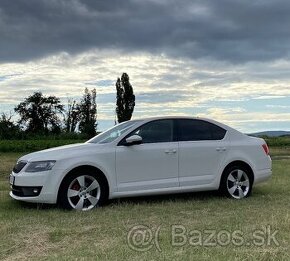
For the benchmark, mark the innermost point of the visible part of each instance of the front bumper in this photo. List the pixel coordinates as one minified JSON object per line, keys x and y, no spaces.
{"x":25,"y":191}
{"x":46,"y":182}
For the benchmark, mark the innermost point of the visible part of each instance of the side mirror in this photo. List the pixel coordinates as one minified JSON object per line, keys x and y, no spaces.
{"x":133,"y":140}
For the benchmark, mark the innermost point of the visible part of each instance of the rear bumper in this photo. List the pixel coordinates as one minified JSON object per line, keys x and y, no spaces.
{"x":262,"y":176}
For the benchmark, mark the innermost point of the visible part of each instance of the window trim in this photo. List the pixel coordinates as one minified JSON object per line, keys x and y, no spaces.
{"x":210,"y":123}
{"x":174,"y":130}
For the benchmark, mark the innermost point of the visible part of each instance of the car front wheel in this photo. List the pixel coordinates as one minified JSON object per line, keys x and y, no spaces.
{"x":82,"y":191}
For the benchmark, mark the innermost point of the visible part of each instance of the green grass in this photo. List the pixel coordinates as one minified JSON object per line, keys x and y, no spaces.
{"x":49,"y":233}
{"x":278,"y":141}
{"x":32,"y":145}
{"x":280,"y":152}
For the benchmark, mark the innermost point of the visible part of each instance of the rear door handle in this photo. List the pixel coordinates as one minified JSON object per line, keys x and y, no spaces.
{"x":221,"y":149}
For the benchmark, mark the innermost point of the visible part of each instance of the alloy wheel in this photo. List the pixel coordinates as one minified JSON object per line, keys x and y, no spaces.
{"x":84,"y":193}
{"x":238,"y":184}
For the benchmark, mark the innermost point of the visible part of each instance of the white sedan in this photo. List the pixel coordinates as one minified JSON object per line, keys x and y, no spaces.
{"x":144,"y":157}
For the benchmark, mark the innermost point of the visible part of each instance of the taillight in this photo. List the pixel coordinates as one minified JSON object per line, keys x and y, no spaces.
{"x":266,"y":148}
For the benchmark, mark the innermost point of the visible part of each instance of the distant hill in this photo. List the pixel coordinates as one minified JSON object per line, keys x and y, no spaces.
{"x":271,"y":133}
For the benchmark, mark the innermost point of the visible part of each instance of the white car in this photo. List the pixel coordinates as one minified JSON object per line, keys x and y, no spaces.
{"x":144,"y":157}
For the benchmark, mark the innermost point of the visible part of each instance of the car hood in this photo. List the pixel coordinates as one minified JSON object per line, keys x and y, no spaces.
{"x":61,"y":152}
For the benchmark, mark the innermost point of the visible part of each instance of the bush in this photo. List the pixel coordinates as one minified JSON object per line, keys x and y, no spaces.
{"x":33,"y":145}
{"x":278,"y":141}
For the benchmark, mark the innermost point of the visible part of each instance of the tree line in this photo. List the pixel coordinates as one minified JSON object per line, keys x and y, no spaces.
{"x":40,"y":115}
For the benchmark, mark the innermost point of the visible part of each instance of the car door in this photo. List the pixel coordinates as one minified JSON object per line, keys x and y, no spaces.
{"x":153,"y":164}
{"x":202,"y":149}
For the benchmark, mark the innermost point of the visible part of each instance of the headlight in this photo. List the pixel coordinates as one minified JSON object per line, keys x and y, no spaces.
{"x":38,"y":166}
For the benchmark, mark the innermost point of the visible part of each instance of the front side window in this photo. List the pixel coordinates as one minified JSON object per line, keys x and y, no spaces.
{"x":155,"y":131}
{"x":195,"y":130}
{"x":113,"y":133}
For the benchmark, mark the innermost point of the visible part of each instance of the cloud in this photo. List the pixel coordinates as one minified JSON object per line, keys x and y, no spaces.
{"x":268,"y":97}
{"x":162,"y":85}
{"x":224,"y":30}
{"x":248,"y":121}
{"x":278,"y":106}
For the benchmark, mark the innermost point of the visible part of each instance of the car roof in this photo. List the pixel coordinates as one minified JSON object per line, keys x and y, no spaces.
{"x":178,"y":117}
{"x":170,"y":117}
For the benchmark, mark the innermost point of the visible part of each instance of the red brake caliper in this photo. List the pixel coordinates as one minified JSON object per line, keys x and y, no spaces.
{"x":76,"y":186}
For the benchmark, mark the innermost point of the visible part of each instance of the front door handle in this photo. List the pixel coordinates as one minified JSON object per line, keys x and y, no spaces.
{"x":170,"y":151}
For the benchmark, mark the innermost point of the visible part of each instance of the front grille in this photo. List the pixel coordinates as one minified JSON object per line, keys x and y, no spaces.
{"x":19,"y":166}
{"x":25,"y":191}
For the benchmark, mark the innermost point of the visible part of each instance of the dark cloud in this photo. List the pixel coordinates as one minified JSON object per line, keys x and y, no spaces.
{"x":228,"y":30}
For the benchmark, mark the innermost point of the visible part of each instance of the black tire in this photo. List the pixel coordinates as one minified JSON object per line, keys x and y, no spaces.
{"x":63,"y":199}
{"x":227,"y":185}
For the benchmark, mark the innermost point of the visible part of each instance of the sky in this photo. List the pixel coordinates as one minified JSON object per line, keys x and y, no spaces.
{"x":228,"y":60}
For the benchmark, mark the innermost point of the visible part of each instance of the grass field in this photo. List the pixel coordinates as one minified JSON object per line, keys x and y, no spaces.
{"x":33,"y":145}
{"x":28,"y":232}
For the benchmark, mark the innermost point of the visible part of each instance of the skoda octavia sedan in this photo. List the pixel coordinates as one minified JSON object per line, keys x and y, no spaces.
{"x":144,"y":157}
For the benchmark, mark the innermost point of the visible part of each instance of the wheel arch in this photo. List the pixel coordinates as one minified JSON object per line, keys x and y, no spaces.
{"x":238,"y":163}
{"x":76,"y":169}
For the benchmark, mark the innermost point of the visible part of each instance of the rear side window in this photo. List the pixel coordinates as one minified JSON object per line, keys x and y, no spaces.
{"x":217,"y":132}
{"x":155,"y":131}
{"x":194,"y":130}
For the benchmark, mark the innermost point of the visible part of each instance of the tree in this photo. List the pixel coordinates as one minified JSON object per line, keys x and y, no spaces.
{"x":40,"y":114}
{"x":72,"y":116}
{"x":8,"y":130}
{"x":88,"y":113}
{"x":125,"y":99}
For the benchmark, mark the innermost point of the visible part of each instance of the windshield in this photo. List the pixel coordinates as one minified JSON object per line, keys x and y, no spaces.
{"x":112,"y":133}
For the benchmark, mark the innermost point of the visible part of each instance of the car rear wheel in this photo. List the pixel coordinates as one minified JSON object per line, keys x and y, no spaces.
{"x":82,"y":191}
{"x":236,"y":182}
